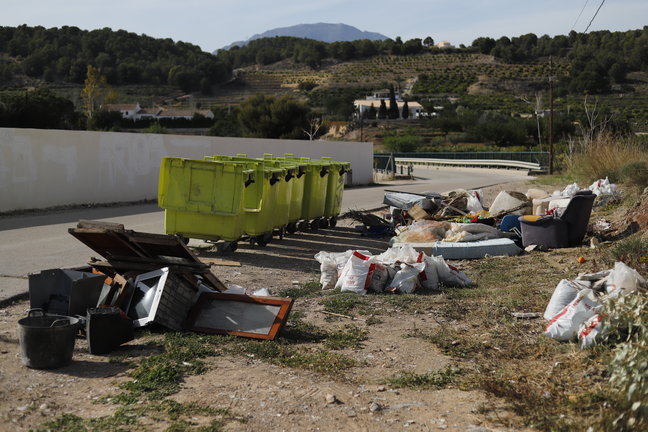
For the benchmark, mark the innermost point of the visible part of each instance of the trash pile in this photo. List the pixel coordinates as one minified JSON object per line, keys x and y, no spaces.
{"x":144,"y":279}
{"x":575,"y":310}
{"x":397,"y":270}
{"x":457,"y":225}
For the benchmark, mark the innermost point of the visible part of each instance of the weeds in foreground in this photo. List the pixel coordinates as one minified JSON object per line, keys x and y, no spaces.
{"x":633,"y":251}
{"x":432,"y":380}
{"x":183,"y":417}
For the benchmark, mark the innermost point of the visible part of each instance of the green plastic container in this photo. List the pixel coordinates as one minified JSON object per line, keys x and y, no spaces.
{"x":335,"y":189}
{"x":203,"y":199}
{"x":263,"y":199}
{"x":297,"y":171}
{"x":315,"y":185}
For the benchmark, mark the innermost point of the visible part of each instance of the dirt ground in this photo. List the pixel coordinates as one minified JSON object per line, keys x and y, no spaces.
{"x":268,"y":396}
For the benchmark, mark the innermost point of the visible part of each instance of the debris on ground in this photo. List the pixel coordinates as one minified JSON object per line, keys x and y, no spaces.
{"x":458,"y":225}
{"x":576,"y":309}
{"x":144,"y":279}
{"x":399,"y":269}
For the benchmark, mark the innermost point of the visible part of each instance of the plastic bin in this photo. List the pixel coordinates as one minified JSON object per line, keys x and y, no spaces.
{"x":203,"y":199}
{"x":315,"y":185}
{"x":262,"y":198}
{"x":297,"y":171}
{"x":335,"y":189}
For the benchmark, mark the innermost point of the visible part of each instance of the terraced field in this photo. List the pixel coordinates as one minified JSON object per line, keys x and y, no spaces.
{"x":447,"y":73}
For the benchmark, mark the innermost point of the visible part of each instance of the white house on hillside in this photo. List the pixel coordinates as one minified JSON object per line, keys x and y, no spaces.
{"x":183,"y":114}
{"x":364,"y":105}
{"x":128,"y":111}
{"x":136,"y":112}
{"x":444,"y":44}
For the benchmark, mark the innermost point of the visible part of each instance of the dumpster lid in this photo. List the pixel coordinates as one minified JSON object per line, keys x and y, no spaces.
{"x":127,"y":250}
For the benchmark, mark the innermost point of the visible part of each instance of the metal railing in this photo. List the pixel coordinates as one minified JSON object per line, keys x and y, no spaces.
{"x":514,"y":160}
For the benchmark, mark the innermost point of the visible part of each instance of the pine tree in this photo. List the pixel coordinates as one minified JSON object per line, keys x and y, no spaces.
{"x":371,"y":112}
{"x":393,"y":112}
{"x":405,"y":112}
{"x":382,"y":110}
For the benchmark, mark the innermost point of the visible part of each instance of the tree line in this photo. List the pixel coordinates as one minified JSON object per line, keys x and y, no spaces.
{"x":598,"y":59}
{"x":63,"y":55}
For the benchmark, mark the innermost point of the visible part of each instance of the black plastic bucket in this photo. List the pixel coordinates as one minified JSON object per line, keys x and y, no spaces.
{"x":46,"y":341}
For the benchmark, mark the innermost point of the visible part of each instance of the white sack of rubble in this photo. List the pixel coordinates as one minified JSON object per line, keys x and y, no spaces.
{"x":566,"y":324}
{"x":564,"y":293}
{"x":356,"y":275}
{"x":505,"y":201}
{"x":406,"y":280}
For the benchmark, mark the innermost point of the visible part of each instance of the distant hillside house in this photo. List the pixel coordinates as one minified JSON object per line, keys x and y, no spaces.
{"x":136,"y":112}
{"x":187,"y":114}
{"x":148,"y":113}
{"x":128,"y":111}
{"x":383,"y":94}
{"x":444,"y":44}
{"x":415,"y":108}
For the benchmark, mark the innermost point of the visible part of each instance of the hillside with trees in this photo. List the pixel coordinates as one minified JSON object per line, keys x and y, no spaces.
{"x":493,"y":93}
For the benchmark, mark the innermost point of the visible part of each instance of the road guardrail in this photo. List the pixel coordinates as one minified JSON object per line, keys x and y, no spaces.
{"x":480,"y":163}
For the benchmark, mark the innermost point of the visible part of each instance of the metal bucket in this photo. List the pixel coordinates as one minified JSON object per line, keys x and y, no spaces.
{"x":46,"y":341}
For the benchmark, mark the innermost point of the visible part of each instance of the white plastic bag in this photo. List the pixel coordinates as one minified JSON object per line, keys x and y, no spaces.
{"x":565,"y":325}
{"x":603,"y":187}
{"x":356,"y":275}
{"x":474,"y":203}
{"x":591,"y":331}
{"x":623,"y":279}
{"x":564,"y":293}
{"x":328,"y":269}
{"x":450,"y":275}
{"x":406,"y":279}
{"x":570,"y":190}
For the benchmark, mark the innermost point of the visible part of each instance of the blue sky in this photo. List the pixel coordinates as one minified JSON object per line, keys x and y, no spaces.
{"x":212,"y":24}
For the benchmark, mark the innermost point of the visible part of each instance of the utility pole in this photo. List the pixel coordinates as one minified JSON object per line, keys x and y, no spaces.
{"x":551,"y":149}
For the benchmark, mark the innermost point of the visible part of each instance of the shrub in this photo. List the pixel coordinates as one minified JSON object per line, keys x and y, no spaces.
{"x":634,"y":174}
{"x":627,"y":321}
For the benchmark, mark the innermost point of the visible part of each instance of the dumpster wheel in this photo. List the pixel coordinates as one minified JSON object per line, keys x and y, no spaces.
{"x":227,"y":247}
{"x":263,"y":239}
{"x":291,"y":228}
{"x":315,"y":224}
{"x":333,"y":222}
{"x":302,"y":225}
{"x":323,"y":223}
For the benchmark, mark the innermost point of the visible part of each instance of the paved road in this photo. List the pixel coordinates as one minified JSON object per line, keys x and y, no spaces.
{"x":34,"y":242}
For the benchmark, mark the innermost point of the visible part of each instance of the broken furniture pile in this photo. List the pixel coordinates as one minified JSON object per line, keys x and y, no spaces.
{"x":143,"y":279}
{"x":398,"y":270}
{"x":458,"y":226}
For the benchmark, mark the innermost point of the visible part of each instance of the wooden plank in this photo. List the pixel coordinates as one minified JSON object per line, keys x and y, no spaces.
{"x":220,"y":262}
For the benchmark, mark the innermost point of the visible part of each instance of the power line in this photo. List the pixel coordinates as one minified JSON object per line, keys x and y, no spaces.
{"x":596,"y":13}
{"x":579,"y":15}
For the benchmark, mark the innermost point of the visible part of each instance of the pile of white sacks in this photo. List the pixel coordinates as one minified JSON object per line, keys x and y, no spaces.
{"x":397,"y":270}
{"x":574,"y":311}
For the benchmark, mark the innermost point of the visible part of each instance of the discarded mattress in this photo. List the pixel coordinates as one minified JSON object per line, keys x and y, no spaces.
{"x":468,"y":250}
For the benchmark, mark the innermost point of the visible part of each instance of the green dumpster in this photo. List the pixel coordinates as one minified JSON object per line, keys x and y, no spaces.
{"x":335,"y":189}
{"x":297,"y":171}
{"x":315,"y":184}
{"x":261,"y":198}
{"x":203,"y":199}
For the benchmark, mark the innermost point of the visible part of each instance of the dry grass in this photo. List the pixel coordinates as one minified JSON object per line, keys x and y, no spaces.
{"x":609,"y":155}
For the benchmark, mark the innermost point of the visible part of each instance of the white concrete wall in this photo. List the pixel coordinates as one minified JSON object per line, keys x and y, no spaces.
{"x":47,"y":168}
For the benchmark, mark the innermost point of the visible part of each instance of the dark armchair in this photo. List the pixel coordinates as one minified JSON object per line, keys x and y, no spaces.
{"x":565,"y":230}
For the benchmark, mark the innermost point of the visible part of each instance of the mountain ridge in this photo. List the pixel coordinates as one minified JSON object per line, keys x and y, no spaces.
{"x":324,"y":32}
